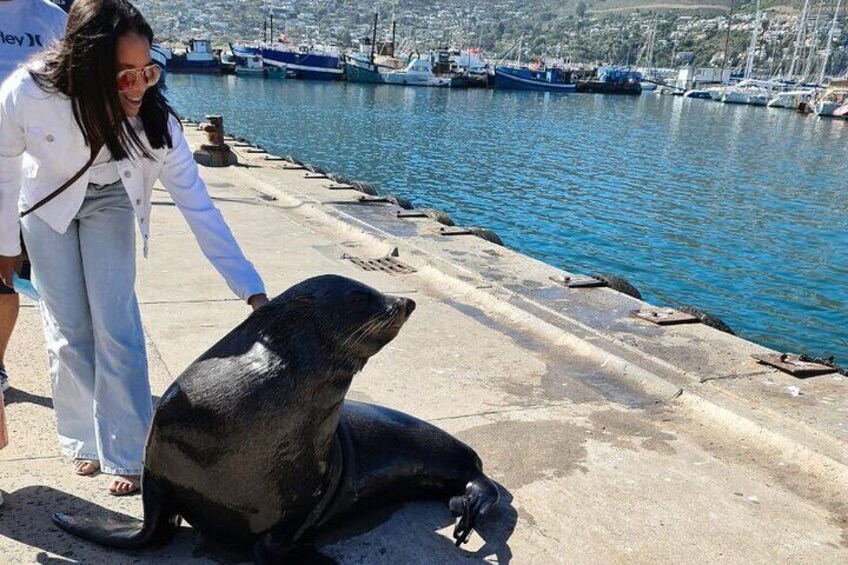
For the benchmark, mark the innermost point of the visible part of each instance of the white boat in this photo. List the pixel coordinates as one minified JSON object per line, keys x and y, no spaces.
{"x":717,"y":92}
{"x":751,"y":91}
{"x":419,"y":72}
{"x":832,"y":99}
{"x":791,"y":99}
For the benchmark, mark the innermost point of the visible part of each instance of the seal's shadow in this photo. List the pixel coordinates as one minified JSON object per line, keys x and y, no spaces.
{"x":412,"y":531}
{"x":411,"y":534}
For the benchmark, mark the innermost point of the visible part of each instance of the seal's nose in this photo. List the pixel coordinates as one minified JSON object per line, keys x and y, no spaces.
{"x":408,"y":305}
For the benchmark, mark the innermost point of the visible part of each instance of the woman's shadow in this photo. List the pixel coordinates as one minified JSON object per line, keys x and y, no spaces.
{"x":26,"y":518}
{"x":16,"y":396}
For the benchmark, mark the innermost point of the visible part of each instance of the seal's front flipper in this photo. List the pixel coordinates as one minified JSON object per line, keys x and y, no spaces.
{"x":125,"y":532}
{"x":481,"y":495}
{"x":268,"y":552}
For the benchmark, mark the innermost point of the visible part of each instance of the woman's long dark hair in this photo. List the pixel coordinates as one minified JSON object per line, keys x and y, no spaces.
{"x":83,"y":66}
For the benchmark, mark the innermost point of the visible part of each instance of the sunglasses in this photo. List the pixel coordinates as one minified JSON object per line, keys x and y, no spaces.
{"x":150,"y":74}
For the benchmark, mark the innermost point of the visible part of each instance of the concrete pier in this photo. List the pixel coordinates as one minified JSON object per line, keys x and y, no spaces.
{"x":614,"y":440}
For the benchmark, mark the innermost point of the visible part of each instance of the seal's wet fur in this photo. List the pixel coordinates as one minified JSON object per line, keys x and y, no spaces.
{"x":254,"y":444}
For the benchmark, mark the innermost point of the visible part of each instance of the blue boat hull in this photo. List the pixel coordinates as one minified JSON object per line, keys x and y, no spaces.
{"x":356,"y":73}
{"x":307,"y":66}
{"x":509,"y":81}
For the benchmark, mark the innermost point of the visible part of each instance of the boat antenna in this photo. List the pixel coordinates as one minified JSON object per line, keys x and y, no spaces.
{"x":520,"y":49}
{"x":374,"y":38}
{"x":510,"y":50}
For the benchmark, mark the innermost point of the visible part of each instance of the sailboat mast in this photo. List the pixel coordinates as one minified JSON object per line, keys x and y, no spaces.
{"x":829,"y":48}
{"x":815,"y":46}
{"x":726,"y":42}
{"x":749,"y":66}
{"x":802,"y":24}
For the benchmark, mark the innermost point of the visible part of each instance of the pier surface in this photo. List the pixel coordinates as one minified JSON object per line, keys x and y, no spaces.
{"x":614,"y":440}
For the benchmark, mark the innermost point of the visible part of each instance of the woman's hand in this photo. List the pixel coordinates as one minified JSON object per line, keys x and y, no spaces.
{"x":256,"y":301}
{"x":9,"y":265}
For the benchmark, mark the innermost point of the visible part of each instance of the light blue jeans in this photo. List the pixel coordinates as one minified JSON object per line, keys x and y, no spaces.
{"x":95,"y":341}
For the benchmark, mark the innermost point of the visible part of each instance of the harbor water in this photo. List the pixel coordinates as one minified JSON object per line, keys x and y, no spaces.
{"x":740,"y":211}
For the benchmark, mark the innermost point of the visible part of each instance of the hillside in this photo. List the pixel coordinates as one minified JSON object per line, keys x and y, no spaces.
{"x":582,"y":30}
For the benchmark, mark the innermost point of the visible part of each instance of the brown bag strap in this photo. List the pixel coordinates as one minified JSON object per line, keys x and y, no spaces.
{"x":94,"y":152}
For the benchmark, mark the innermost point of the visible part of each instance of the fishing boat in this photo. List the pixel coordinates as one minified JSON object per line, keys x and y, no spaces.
{"x":250,"y":65}
{"x":198,"y":57}
{"x":365,"y":64}
{"x":613,"y":80}
{"x":540,"y":79}
{"x":309,"y":62}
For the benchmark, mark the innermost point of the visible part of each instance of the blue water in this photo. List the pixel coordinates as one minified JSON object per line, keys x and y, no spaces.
{"x":740,"y":211}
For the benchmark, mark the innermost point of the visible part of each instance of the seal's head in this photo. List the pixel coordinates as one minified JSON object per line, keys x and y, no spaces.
{"x":351,"y":318}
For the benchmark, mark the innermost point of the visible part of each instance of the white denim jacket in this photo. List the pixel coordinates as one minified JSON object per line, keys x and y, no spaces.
{"x":41,"y":147}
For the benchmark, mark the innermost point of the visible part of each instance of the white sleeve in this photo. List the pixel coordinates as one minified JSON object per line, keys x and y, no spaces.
{"x":12,"y":146}
{"x":181,"y":178}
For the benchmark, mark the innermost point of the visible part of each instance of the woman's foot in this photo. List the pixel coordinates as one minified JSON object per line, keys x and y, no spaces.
{"x":122,"y":485}
{"x":86,"y":467}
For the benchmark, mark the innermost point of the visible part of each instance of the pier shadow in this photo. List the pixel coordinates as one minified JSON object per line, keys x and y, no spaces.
{"x":26,"y":518}
{"x":17,"y":396}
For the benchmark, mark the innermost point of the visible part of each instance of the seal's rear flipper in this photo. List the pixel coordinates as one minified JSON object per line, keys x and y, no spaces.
{"x":481,"y":495}
{"x":125,"y":532}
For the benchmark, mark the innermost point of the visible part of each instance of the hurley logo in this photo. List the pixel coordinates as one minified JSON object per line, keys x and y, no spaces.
{"x":25,"y":40}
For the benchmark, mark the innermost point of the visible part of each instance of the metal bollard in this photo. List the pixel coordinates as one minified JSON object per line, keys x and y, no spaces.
{"x":215,"y":153}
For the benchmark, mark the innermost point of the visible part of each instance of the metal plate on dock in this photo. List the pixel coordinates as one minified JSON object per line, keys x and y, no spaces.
{"x":274,"y":158}
{"x":373,"y":200}
{"x":386,"y":264}
{"x":256,"y":150}
{"x":790,"y":363}
{"x":293,"y":168}
{"x":315,"y":176}
{"x":665,"y":316}
{"x":578,"y":281}
{"x":410,"y":214}
{"x":454,"y":231}
{"x":339,"y":187}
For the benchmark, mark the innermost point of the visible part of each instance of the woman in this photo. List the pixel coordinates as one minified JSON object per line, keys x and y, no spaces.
{"x":94,"y":99}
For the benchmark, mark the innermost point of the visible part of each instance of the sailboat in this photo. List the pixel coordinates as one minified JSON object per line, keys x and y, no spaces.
{"x":750,"y":91}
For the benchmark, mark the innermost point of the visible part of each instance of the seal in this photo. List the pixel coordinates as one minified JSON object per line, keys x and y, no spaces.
{"x":254,"y":444}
